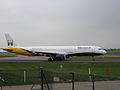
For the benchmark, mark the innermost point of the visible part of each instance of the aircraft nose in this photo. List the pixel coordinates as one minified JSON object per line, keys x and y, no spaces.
{"x":104,"y":52}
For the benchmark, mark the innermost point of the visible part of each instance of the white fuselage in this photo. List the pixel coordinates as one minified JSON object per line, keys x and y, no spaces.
{"x":57,"y":52}
{"x":66,"y":49}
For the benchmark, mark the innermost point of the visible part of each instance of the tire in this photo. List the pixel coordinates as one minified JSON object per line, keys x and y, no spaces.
{"x":49,"y":59}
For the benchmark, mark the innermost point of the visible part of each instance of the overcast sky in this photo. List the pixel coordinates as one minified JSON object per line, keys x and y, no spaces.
{"x":61,"y":22}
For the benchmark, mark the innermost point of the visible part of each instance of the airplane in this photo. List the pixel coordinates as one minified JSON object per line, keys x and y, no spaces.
{"x":55,"y":53}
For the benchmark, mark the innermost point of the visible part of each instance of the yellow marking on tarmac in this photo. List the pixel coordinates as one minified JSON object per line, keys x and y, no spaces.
{"x":18,"y":51}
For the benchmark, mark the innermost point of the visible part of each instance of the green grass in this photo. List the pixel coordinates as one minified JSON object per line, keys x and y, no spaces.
{"x":12,"y":72}
{"x":96,"y":68}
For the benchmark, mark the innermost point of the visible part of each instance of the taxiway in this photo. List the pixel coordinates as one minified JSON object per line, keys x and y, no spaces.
{"x":44,"y":59}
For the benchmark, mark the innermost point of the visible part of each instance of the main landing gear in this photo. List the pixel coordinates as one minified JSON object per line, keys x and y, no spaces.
{"x":56,"y":59}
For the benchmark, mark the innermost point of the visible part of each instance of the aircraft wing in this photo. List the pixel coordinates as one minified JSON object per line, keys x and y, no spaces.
{"x":50,"y":53}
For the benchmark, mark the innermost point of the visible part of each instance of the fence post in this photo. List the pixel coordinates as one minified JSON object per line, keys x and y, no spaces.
{"x":93,"y":81}
{"x":89,"y":72}
{"x":24,"y":76}
{"x":41,"y":78}
{"x":73,"y":79}
{"x":1,"y":87}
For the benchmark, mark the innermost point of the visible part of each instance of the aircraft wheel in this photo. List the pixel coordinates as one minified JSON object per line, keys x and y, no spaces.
{"x":49,"y":59}
{"x":55,"y":59}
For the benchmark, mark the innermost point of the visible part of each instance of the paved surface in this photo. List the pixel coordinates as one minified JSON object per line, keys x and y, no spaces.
{"x":99,"y":85}
{"x":44,"y":59}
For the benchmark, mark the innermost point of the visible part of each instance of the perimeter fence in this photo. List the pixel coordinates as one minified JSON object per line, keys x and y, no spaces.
{"x":51,"y":80}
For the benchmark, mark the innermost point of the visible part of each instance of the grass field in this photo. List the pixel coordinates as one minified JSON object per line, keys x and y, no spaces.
{"x":96,"y":68}
{"x":111,"y":69}
{"x":13,"y":72}
{"x":10,"y":70}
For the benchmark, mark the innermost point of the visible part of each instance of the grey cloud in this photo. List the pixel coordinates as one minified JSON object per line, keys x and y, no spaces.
{"x":61,"y":22}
